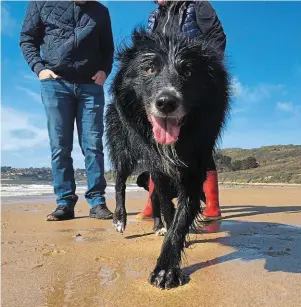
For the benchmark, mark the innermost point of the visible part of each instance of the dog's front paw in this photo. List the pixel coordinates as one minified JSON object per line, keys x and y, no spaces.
{"x":161,"y":232}
{"x":166,"y":279}
{"x":119,"y":222}
{"x":159,"y":228}
{"x":119,"y":226}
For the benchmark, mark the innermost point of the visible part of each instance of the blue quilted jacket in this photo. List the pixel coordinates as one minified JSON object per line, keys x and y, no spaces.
{"x":72,"y":39}
{"x":193,"y":18}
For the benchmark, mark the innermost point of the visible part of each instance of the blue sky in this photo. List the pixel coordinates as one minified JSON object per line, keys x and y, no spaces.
{"x":264,"y":56}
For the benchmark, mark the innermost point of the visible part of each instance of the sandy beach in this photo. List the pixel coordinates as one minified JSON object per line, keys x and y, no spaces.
{"x":251,"y":258}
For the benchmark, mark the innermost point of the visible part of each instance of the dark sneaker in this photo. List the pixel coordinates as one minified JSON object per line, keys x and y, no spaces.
{"x":101,"y":212}
{"x":61,"y":213}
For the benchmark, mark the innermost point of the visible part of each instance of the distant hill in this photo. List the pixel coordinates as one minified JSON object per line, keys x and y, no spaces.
{"x":276,"y":164}
{"x":270,"y":164}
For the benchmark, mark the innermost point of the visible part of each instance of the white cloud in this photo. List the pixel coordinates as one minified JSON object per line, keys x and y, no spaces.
{"x":285,"y":106}
{"x":8,"y":23}
{"x":237,"y":87}
{"x":254,"y":94}
{"x":36,"y":97}
{"x":21,"y":138}
{"x":18,"y":133}
{"x":291,"y":109}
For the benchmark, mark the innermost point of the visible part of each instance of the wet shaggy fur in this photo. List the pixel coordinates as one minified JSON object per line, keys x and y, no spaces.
{"x":191,"y":69}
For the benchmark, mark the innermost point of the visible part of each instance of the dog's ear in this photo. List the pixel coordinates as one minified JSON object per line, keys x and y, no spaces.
{"x":128,"y":48}
{"x":139,"y":34}
{"x":126,"y":71}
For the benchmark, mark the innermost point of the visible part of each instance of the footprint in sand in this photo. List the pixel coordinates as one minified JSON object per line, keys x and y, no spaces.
{"x":102,"y":258}
{"x":107,"y":276}
{"x":55,"y":252}
{"x":71,"y":293}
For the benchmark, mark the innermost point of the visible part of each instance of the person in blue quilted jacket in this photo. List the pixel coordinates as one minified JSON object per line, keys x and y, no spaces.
{"x":69,"y":45}
{"x":193,"y":19}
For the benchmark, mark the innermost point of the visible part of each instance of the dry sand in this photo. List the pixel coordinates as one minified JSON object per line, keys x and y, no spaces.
{"x":251,"y":258}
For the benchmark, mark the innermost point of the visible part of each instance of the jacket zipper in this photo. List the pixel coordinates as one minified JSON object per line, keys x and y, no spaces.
{"x":74,"y":9}
{"x":74,"y":31}
{"x":168,"y":15}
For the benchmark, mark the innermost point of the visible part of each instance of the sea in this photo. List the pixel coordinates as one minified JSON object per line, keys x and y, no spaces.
{"x":31,"y":192}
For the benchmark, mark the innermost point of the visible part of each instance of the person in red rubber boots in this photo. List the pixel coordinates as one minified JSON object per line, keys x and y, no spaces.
{"x":212,"y":211}
{"x":192,"y":18}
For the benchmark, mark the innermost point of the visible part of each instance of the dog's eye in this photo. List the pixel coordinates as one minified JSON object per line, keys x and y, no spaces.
{"x":150,"y":70}
{"x":187,"y":73}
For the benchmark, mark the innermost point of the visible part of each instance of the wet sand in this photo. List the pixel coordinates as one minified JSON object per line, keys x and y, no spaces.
{"x":251,"y":258}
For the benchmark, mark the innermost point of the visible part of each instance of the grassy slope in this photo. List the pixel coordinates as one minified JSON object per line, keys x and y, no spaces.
{"x":278,"y":164}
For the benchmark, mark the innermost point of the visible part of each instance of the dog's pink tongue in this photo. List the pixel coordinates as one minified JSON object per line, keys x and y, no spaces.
{"x":166,"y":131}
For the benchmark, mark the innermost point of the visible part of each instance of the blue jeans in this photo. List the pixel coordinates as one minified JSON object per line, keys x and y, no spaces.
{"x":64,"y":104}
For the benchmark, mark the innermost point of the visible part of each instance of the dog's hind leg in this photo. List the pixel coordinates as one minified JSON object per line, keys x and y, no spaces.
{"x":167,"y":273}
{"x":164,"y":195}
{"x":159,"y":228}
{"x":161,"y":202}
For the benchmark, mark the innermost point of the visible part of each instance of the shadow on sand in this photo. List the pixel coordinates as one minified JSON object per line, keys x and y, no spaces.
{"x":242,"y":211}
{"x":278,"y":244}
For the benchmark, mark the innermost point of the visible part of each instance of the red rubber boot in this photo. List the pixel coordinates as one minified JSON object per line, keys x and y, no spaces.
{"x":148,"y":210}
{"x":212,"y":211}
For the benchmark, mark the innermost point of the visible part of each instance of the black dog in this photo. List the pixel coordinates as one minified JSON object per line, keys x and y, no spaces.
{"x":170,"y":102}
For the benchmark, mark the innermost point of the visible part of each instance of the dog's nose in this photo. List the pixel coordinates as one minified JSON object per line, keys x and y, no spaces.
{"x":167,"y":103}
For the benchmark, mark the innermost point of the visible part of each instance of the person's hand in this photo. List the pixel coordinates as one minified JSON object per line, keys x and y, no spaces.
{"x":100,"y":77}
{"x":47,"y":74}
